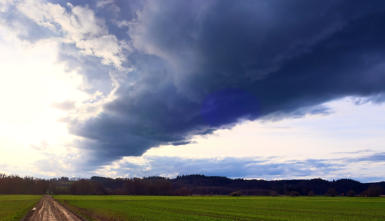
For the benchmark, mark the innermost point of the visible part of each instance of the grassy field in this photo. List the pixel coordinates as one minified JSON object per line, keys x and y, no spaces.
{"x":15,"y":207}
{"x":225,"y":208}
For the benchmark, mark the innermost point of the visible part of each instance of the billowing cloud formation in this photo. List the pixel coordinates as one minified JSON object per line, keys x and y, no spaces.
{"x":196,"y":66}
{"x":203,"y":65}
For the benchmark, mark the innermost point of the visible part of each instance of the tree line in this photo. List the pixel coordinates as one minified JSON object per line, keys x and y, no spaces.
{"x":187,"y":185}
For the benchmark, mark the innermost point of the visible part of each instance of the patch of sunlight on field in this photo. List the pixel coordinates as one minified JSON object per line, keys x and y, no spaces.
{"x":15,"y":207}
{"x":226,"y":208}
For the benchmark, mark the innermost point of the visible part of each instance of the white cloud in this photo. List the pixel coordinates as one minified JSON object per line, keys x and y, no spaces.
{"x":4,"y":4}
{"x":104,"y":3}
{"x":80,"y":26}
{"x":337,"y":167}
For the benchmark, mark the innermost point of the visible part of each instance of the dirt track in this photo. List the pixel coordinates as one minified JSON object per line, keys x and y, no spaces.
{"x":50,"y":210}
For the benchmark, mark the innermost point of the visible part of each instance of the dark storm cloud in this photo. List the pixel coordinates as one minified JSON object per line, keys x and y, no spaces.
{"x":204,"y":65}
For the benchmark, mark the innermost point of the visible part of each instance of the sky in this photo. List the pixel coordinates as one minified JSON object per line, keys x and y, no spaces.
{"x":245,"y":89}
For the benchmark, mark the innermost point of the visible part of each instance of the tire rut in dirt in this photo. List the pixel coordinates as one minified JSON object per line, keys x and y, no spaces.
{"x":50,"y":210}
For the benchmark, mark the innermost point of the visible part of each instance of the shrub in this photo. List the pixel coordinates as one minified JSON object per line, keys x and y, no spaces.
{"x":236,"y":193}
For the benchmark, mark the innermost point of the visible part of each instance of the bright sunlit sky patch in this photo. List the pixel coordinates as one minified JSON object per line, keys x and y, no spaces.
{"x":139,"y":88}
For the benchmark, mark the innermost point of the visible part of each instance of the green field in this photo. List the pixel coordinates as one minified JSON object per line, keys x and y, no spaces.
{"x":15,"y":207}
{"x":225,"y":208}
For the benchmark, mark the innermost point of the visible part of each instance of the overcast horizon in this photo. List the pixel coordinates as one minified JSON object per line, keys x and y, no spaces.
{"x":243,"y":89}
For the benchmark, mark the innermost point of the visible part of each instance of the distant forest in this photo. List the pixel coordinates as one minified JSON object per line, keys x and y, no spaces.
{"x":187,"y":185}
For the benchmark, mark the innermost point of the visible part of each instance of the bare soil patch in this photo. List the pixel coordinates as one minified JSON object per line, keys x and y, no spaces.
{"x":50,"y":210}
